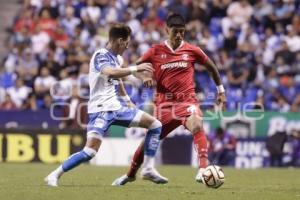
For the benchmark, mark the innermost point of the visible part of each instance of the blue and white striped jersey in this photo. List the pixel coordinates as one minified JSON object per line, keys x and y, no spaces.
{"x":103,"y":90}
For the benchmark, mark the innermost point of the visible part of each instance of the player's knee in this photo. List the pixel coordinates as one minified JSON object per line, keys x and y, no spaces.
{"x":197,"y":128}
{"x":195,"y":124}
{"x":93,"y":141}
{"x":90,"y":152}
{"x":155,"y":124}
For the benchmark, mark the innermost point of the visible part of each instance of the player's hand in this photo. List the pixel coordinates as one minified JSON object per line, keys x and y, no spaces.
{"x":145,"y":67}
{"x":148,"y":82}
{"x":130,"y":104}
{"x":221,"y":101}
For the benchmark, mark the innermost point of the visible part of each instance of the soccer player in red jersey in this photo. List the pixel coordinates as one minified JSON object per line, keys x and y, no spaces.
{"x":175,"y":102}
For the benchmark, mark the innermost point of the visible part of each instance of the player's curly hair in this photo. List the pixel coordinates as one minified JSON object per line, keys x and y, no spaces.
{"x":175,"y":20}
{"x":119,"y":30}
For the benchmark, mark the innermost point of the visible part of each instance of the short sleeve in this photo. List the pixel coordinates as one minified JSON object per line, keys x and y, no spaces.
{"x":201,"y":57}
{"x":100,"y":61}
{"x":148,"y":55}
{"x":38,"y":81}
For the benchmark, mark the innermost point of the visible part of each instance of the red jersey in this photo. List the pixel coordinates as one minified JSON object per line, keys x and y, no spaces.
{"x":174,"y":71}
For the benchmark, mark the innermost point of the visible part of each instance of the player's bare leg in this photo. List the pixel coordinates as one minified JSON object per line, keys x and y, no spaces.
{"x":89,"y":151}
{"x":194,"y":124}
{"x":148,"y":172}
{"x":138,"y":157}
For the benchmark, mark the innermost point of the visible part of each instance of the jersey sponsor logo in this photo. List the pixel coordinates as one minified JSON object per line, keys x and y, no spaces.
{"x":174,"y":65}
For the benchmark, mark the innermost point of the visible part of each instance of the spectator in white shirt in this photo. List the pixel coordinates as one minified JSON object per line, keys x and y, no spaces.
{"x":91,"y":11}
{"x":249,"y":35}
{"x":40,"y":41}
{"x":238,"y":16}
{"x":28,"y":66}
{"x":19,"y":92}
{"x":62,"y":89}
{"x":43,"y":83}
{"x":292,"y":39}
{"x":69,"y":22}
{"x":133,"y":23}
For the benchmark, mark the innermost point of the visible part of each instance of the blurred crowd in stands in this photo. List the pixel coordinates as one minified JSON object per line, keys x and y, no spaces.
{"x":256,"y":45}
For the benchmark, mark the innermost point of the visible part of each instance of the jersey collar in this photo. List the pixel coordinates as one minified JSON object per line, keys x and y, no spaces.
{"x":167,"y":44}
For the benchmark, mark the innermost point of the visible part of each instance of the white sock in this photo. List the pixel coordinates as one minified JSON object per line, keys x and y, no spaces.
{"x":148,"y":162}
{"x":58,"y":172}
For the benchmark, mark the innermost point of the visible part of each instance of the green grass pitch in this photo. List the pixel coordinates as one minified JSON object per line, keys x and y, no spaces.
{"x":25,"y":182}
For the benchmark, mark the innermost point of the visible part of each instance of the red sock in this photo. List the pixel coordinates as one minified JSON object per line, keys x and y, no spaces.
{"x":137,"y":161}
{"x":200,"y":145}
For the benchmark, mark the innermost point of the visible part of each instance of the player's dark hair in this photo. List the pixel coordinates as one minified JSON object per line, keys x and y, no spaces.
{"x":119,"y":31}
{"x":175,"y":20}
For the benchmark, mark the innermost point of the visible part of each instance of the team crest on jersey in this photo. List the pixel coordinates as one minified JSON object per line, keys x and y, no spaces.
{"x":185,"y":56}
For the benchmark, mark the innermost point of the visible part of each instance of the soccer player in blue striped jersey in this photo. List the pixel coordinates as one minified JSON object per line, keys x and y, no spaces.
{"x":109,"y":105}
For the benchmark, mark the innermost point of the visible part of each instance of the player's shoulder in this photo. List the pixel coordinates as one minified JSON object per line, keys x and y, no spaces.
{"x":158,"y":45}
{"x":194,"y":49}
{"x":155,"y":48}
{"x":101,"y":56}
{"x":188,"y":45}
{"x":101,"y":51}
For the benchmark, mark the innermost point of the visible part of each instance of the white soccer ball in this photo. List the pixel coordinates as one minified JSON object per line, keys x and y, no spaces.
{"x":213,"y":176}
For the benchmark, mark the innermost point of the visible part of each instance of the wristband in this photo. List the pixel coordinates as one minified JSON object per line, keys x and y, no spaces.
{"x":126,"y":98}
{"x":133,"y":69}
{"x":220,"y":89}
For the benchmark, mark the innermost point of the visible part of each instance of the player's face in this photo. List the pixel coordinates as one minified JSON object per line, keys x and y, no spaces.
{"x":123,"y":44}
{"x":176,"y":35}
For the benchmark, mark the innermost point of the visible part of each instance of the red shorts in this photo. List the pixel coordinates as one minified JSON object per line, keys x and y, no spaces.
{"x":173,"y":115}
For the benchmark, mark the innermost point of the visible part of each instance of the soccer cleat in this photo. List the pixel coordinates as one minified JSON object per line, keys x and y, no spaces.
{"x":51,"y":180}
{"x":199,"y":176}
{"x":123,"y":180}
{"x":152,"y":175}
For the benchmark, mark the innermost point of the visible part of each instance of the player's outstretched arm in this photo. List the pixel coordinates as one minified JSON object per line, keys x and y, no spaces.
{"x":214,"y":73}
{"x":122,"y":72}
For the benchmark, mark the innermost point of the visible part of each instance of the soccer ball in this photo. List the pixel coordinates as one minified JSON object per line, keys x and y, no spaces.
{"x":213,"y":176}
